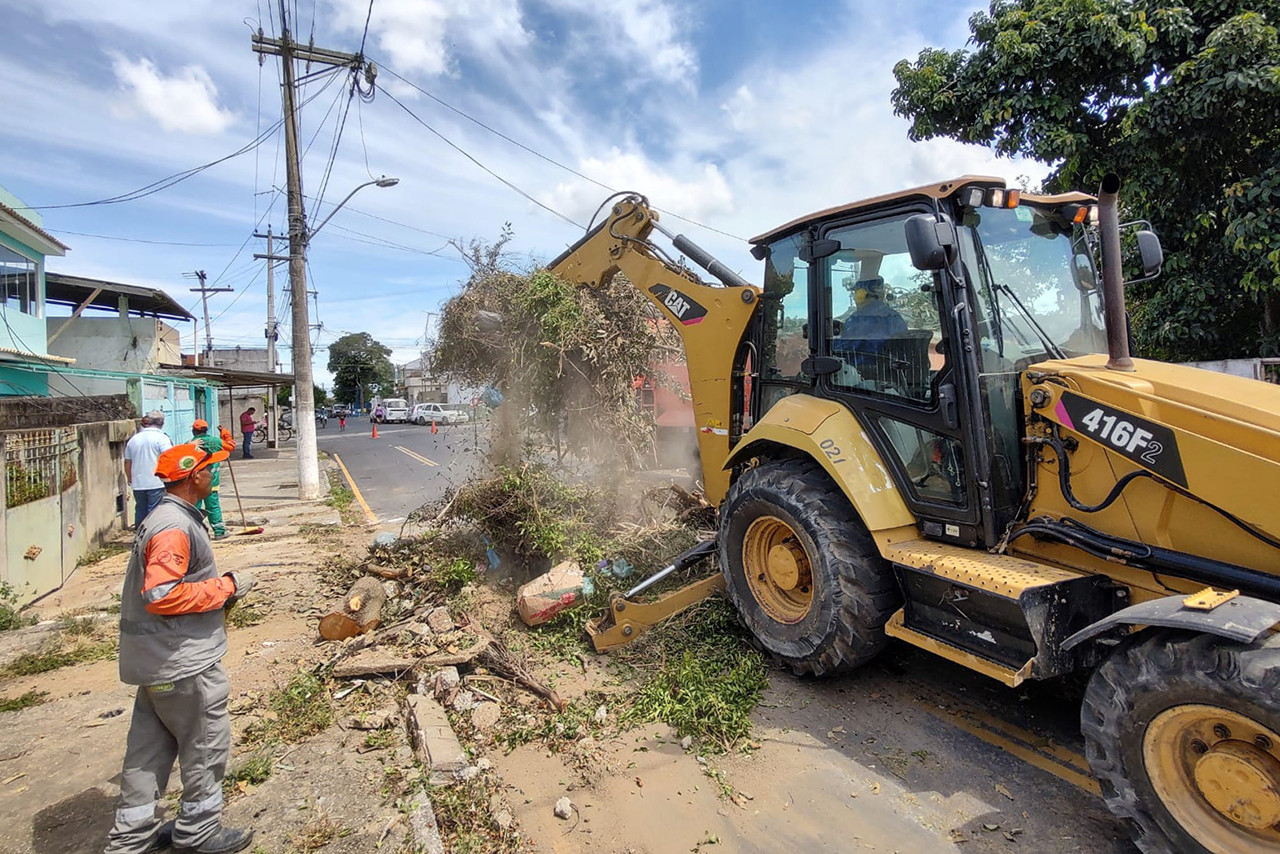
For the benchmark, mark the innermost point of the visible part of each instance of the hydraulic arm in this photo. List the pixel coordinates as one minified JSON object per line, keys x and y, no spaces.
{"x":711,"y":319}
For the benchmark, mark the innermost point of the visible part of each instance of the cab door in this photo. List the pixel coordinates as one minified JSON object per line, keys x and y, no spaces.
{"x":890,"y":333}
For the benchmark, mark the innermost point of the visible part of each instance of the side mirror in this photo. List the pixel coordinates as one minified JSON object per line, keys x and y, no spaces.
{"x":930,"y":242}
{"x":1152,"y":253}
{"x":1082,"y":272}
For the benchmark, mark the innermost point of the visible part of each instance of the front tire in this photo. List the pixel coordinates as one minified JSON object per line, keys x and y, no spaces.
{"x":1182,"y":731}
{"x":802,"y":569}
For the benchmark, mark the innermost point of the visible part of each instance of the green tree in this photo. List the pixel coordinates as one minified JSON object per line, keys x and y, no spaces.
{"x":361,"y":368}
{"x":1181,"y":99}
{"x":318,"y":394}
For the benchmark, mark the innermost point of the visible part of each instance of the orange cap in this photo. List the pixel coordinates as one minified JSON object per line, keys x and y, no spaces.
{"x":181,"y":460}
{"x":200,"y":424}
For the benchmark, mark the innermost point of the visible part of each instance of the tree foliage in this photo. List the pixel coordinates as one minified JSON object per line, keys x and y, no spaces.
{"x":1181,"y":99}
{"x":360,"y":367}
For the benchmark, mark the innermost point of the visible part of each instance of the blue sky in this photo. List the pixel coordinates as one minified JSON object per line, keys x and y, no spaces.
{"x":736,"y":114}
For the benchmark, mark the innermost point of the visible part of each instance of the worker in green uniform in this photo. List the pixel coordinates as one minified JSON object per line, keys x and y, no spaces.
{"x":211,"y":505}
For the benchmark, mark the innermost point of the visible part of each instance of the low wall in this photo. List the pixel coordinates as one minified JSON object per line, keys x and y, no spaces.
{"x":25,"y":413}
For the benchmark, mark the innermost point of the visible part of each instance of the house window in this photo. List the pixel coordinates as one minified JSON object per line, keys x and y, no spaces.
{"x":19,"y":282}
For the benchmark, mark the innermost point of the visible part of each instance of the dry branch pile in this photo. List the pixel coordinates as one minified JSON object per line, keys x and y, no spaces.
{"x":564,"y":357}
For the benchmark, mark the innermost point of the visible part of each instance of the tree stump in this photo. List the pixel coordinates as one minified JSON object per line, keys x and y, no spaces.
{"x":361,"y":611}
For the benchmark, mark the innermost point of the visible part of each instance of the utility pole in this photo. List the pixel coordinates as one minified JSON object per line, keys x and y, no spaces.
{"x":204,"y":299}
{"x":304,"y":404}
{"x":273,"y":404}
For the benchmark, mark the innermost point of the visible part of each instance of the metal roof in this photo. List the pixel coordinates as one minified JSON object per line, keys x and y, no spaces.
{"x":61,"y":289}
{"x":53,"y":246}
{"x":230,"y":377}
{"x":934,"y":191}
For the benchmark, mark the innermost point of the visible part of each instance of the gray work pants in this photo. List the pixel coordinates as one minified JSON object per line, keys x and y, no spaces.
{"x":185,"y":720}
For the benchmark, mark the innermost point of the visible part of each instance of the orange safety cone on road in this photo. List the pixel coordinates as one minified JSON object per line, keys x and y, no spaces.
{"x":433,"y":426}
{"x":375,"y":430}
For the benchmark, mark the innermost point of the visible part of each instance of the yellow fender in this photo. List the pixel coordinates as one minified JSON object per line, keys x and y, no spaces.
{"x":830,"y":434}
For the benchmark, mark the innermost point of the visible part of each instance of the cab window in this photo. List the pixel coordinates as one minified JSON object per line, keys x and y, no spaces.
{"x":885,"y":325}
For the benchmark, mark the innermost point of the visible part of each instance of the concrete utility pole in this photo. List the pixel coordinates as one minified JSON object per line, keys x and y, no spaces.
{"x":304,"y":421}
{"x":204,"y":299}
{"x":273,"y":405}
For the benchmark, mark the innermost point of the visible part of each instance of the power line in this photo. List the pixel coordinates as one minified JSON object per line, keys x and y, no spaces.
{"x":134,"y":239}
{"x":163,"y":183}
{"x":465,"y":154}
{"x":542,"y":156}
{"x":369,"y":17}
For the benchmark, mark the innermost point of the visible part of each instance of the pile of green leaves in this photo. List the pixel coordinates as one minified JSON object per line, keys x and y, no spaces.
{"x":530,"y":513}
{"x":563,"y":356}
{"x":700,"y":674}
{"x":1180,"y":99}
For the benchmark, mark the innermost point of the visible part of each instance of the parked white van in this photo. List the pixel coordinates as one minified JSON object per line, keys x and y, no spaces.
{"x":393,"y":409}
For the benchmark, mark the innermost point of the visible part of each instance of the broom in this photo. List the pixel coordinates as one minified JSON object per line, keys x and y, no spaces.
{"x":244,"y":523}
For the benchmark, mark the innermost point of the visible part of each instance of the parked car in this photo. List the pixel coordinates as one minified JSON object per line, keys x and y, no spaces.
{"x":425,"y":413}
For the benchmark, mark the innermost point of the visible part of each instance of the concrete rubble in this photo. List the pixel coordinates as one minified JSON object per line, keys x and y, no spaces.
{"x":433,"y":739}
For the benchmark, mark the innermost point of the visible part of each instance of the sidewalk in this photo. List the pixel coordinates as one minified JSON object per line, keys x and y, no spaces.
{"x":268,"y":490}
{"x":60,"y":760}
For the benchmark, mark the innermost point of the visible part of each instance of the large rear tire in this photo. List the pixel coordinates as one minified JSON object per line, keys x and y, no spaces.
{"x":802,"y":570}
{"x":1182,"y":731}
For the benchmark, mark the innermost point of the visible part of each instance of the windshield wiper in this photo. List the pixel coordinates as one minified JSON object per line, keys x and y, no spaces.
{"x":1051,"y":348}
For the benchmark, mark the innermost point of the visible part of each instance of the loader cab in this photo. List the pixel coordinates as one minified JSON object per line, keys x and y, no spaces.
{"x":929,"y":353}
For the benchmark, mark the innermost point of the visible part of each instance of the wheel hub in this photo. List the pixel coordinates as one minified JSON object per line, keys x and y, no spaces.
{"x":1217,"y":772}
{"x":786,"y":564}
{"x":777,"y":569}
{"x":1242,"y":782}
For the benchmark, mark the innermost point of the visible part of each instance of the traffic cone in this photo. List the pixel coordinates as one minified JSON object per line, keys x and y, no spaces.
{"x":375,"y":429}
{"x":433,"y":426}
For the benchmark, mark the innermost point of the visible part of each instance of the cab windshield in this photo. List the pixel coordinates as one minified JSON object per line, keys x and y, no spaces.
{"x":1037,"y":291}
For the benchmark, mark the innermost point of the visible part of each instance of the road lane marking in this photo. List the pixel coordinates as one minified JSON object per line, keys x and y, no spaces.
{"x":416,"y":456}
{"x":1059,"y":761}
{"x":355,"y":490}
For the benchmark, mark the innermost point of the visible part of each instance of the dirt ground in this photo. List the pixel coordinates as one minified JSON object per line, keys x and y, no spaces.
{"x":874,"y":761}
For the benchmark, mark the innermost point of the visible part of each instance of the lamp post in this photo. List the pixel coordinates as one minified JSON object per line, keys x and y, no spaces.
{"x":300,"y":237}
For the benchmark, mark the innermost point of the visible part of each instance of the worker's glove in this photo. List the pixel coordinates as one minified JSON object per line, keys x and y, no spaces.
{"x":244,"y":582}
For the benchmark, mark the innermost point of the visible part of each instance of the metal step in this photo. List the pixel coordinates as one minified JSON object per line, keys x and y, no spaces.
{"x":1002,"y":616}
{"x":1003,"y":575}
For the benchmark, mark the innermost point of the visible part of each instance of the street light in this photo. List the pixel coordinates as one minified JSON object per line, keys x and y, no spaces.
{"x":384,"y":181}
{"x":304,"y":407}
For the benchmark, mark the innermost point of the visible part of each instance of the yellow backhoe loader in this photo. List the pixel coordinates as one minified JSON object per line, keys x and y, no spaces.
{"x":926,"y":424}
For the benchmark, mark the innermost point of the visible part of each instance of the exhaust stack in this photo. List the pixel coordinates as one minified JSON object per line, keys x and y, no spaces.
{"x":1112,"y":276}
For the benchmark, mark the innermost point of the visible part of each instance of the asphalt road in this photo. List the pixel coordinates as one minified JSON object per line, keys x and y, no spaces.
{"x":406,"y":466}
{"x":977,"y":754}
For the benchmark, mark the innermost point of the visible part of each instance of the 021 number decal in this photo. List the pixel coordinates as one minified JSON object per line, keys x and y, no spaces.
{"x":829,"y":448}
{"x":1122,"y":434}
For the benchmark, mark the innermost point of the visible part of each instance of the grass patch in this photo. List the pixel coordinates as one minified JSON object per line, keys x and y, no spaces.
{"x":23,"y":701}
{"x":297,"y":711}
{"x":340,"y":497}
{"x":73,"y":626}
{"x":380,"y":739}
{"x":10,"y":615}
{"x":244,"y":616}
{"x":101,"y":554}
{"x":466,"y":825}
{"x":318,"y":833}
{"x":252,"y":772}
{"x":57,"y":655}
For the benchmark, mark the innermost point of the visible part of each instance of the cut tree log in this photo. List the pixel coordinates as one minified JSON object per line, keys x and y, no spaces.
{"x":361,"y":611}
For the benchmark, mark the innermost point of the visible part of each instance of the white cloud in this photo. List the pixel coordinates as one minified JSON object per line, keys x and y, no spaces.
{"x":186,"y":102}
{"x":648,"y":34}
{"x":703,"y":194}
{"x":426,"y":35}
